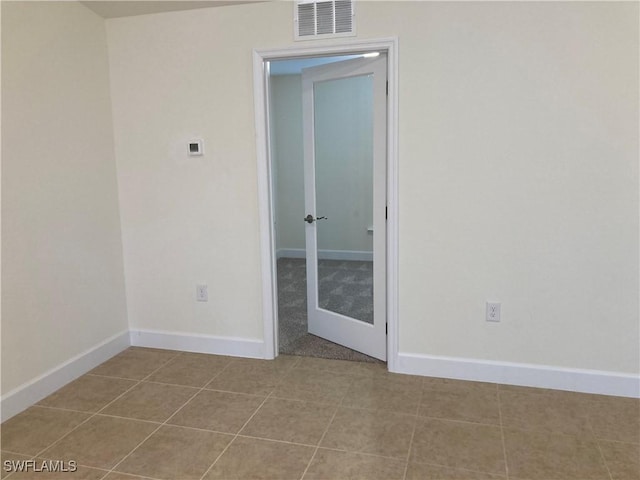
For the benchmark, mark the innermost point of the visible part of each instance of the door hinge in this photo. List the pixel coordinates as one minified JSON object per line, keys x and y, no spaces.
{"x":386,"y":213}
{"x":386,"y":329}
{"x":387,"y":87}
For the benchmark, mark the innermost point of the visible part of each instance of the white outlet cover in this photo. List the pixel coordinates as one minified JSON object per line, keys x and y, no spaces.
{"x":202,"y":293}
{"x":493,"y":312}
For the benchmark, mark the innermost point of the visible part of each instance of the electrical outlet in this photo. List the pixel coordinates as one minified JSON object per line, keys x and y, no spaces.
{"x":493,"y":312}
{"x":202,"y":295}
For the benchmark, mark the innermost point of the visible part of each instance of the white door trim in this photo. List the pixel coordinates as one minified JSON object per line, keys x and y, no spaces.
{"x":265,"y":193}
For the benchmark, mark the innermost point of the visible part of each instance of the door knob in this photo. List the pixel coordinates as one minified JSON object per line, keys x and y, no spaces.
{"x":309,"y":218}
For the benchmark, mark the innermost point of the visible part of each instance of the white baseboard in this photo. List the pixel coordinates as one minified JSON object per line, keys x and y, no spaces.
{"x":291,"y":253}
{"x":352,"y":255}
{"x":541,"y":376}
{"x":29,"y":393}
{"x":187,"y":342}
{"x":577,"y":380}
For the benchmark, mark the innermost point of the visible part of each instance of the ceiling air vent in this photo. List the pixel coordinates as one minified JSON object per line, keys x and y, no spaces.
{"x":323,"y":19}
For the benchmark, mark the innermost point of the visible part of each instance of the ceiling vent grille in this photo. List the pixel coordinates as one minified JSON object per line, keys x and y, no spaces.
{"x":323,"y":19}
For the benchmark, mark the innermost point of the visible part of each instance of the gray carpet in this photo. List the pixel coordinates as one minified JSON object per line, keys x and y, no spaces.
{"x":344,"y":286}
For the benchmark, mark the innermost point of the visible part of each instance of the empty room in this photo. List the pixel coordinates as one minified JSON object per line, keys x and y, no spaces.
{"x":320,"y":239}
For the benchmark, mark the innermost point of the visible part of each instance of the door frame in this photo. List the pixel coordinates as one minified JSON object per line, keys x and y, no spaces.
{"x":265,"y":191}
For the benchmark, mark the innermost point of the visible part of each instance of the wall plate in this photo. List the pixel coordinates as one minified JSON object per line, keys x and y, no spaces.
{"x":195,"y":148}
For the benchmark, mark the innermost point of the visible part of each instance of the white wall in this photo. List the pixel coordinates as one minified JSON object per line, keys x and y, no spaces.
{"x":518,"y":173}
{"x":187,"y":220}
{"x":519,"y":180}
{"x":62,"y":270}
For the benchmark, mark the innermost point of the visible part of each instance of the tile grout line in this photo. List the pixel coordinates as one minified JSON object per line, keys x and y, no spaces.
{"x":138,"y":382}
{"x":135,"y":476}
{"x":16,"y":453}
{"x":415,"y":426}
{"x":106,"y":472}
{"x":280,"y":379}
{"x":504,"y":442}
{"x":170,"y":416}
{"x":454,"y":420}
{"x":133,"y":386}
{"x":265,"y":439}
{"x":324,"y":434}
{"x":320,"y":441}
{"x":234,"y":437}
{"x":91,"y":415}
{"x":154,"y":382}
{"x":346,"y":407}
{"x":597,"y":440}
{"x":96,"y":413}
{"x":112,"y":376}
{"x":239,"y":435}
{"x":609,"y":440}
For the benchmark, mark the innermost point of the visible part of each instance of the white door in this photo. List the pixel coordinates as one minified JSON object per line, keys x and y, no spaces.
{"x":345,"y":118}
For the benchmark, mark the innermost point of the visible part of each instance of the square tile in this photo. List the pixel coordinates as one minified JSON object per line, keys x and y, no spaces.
{"x":370,"y":431}
{"x":615,"y":418}
{"x":423,"y":471}
{"x":155,"y":402}
{"x":622,"y":459}
{"x":249,"y":458}
{"x":134,"y":363}
{"x":545,"y":413}
{"x":331,"y":464}
{"x":459,"y":445}
{"x":313,"y":386}
{"x":191,"y":369}
{"x":461,"y":403}
{"x":101,"y":442}
{"x":398,"y":395}
{"x":36,"y":428}
{"x":248,"y":377}
{"x":88,"y":393}
{"x":220,"y":411}
{"x":543,"y":456}
{"x":290,"y":421}
{"x":176,"y":452}
{"x":340,"y":366}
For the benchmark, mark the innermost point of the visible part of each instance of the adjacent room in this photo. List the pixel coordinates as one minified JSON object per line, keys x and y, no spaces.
{"x":320,"y":239}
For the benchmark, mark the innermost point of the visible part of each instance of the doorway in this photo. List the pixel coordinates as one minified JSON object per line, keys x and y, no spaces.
{"x":328,"y":137}
{"x":326,"y":241}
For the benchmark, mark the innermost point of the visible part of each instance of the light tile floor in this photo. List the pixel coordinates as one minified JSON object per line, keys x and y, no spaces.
{"x":162,"y":414}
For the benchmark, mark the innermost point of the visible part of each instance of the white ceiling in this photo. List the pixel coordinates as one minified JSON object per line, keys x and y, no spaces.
{"x":129,"y":8}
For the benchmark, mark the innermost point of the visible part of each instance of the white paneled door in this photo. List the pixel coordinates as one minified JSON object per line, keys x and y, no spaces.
{"x":345,"y":143}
